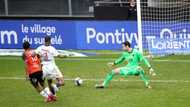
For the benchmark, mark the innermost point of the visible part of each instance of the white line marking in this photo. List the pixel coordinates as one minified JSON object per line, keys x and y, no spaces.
{"x":112,"y":59}
{"x":93,"y":79}
{"x":106,"y":59}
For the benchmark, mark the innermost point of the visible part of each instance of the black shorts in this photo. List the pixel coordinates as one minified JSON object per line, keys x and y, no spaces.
{"x":36,"y":79}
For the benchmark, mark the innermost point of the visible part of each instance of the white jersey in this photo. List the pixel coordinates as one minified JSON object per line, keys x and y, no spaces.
{"x":47,"y":54}
{"x":49,"y":68}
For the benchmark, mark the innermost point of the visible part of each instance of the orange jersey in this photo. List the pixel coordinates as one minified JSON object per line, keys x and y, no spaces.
{"x":32,"y":62}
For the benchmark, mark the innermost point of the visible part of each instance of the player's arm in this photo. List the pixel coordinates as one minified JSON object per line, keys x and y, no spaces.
{"x":61,"y":56}
{"x":26,"y":71}
{"x":142,"y":58}
{"x":57,"y":54}
{"x":38,"y":50}
{"x":23,"y":56}
{"x":117,"y":61}
{"x":37,"y":53}
{"x":146,"y":62}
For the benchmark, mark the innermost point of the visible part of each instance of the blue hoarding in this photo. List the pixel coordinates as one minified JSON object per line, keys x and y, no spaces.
{"x":68,"y":34}
{"x":169,"y":46}
{"x":13,"y":33}
{"x":105,"y":34}
{"x":163,"y":38}
{"x":96,"y":34}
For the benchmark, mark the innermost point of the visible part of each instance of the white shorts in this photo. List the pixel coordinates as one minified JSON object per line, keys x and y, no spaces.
{"x":51,"y":71}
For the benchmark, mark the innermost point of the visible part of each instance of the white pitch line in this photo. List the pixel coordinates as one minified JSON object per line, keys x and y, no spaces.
{"x":112,"y":59}
{"x":160,"y":60}
{"x":96,"y":80}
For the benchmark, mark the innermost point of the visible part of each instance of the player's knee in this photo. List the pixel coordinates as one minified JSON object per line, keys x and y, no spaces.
{"x":139,"y":68}
{"x":141,"y":72}
{"x":112,"y":72}
{"x":60,"y":82}
{"x":116,"y":71}
{"x":49,"y":81}
{"x":38,"y":89}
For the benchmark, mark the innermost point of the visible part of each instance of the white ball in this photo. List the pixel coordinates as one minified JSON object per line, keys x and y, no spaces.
{"x":78,"y":81}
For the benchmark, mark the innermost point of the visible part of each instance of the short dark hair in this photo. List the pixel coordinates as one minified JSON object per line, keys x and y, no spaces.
{"x":127,"y":43}
{"x":47,"y":39}
{"x":26,"y":45}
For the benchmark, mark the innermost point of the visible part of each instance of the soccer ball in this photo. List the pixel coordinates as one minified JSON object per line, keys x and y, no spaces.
{"x":78,"y":81}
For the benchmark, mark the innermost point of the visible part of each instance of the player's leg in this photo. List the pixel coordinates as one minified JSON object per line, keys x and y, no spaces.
{"x":40,"y":80}
{"x":109,"y":78}
{"x":50,"y":82}
{"x":38,"y":85}
{"x":48,"y":74}
{"x":48,"y":90}
{"x":34,"y":83}
{"x":59,"y":79}
{"x":135,"y":71}
{"x":123,"y":71}
{"x":51,"y":72}
{"x":34,"y":79}
{"x":45,"y":92}
{"x":143,"y":76}
{"x":59,"y":82}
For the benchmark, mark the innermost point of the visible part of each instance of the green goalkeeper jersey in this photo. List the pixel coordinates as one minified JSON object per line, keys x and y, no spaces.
{"x":132,"y":58}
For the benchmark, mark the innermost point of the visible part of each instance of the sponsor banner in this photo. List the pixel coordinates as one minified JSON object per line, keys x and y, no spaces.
{"x":95,"y":35}
{"x":166,"y":37}
{"x":14,"y":33}
{"x":68,"y":34}
{"x":105,"y":34}
{"x":169,"y":46}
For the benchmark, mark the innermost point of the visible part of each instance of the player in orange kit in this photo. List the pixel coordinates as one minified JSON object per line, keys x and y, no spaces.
{"x":34,"y":72}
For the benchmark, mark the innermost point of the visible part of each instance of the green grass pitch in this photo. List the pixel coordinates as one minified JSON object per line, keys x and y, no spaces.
{"x":171,"y":87}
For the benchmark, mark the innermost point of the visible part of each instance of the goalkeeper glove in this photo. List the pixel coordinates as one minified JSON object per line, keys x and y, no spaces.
{"x":110,"y":64}
{"x":152,"y":72}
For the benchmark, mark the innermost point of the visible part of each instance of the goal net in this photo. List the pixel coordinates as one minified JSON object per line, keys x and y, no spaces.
{"x":165,"y":26}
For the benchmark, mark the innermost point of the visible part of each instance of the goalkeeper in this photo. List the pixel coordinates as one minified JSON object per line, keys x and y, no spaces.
{"x":132,"y":58}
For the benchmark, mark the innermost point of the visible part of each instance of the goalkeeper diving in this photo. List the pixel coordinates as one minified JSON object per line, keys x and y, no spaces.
{"x":132,"y":58}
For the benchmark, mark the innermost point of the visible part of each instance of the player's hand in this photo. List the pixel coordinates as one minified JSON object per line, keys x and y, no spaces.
{"x":62,"y":56}
{"x":110,"y":64}
{"x":27,"y":77}
{"x":151,"y":72}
